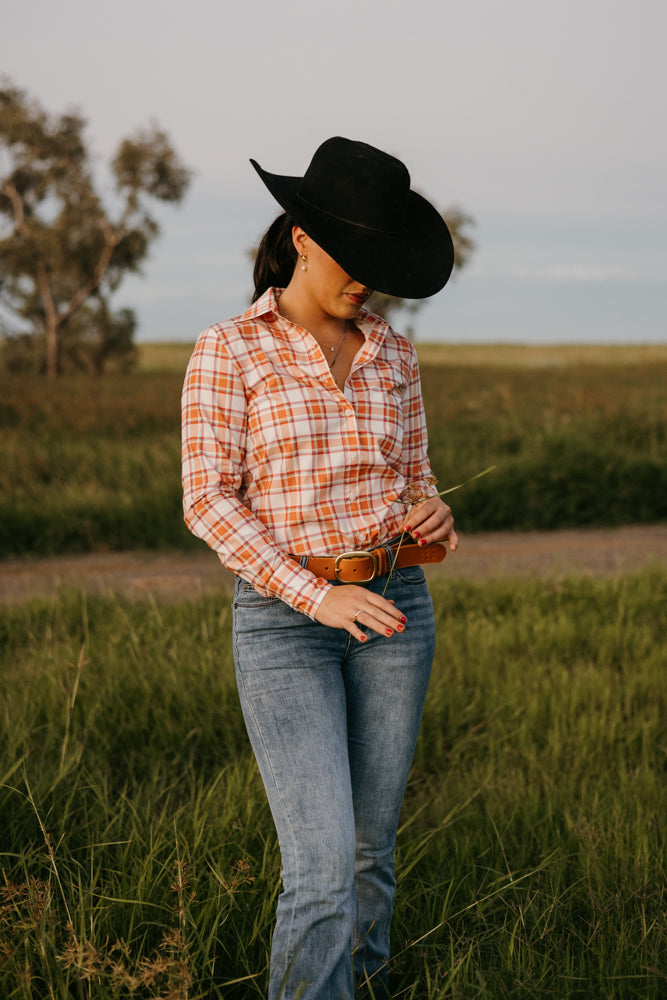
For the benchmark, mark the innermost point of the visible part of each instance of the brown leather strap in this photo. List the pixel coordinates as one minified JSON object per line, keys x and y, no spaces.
{"x":362,"y":567}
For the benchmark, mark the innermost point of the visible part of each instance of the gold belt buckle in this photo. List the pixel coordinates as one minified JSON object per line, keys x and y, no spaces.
{"x":358,"y":555}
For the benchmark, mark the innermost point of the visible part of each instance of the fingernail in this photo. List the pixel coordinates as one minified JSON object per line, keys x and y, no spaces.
{"x":400,"y":628}
{"x":422,"y":541}
{"x":415,"y":534}
{"x":363,"y":638}
{"x":389,"y":631}
{"x":404,"y":619}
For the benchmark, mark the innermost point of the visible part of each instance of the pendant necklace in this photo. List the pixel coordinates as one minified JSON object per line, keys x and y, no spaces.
{"x":340,"y":348}
{"x":333,"y":350}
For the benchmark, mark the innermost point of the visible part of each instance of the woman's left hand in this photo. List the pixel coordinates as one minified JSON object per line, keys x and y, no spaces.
{"x":432,"y":521}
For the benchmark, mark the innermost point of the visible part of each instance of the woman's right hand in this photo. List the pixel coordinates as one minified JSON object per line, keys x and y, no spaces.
{"x":349,"y":606}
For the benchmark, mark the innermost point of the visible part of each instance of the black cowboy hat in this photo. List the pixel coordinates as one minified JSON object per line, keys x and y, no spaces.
{"x":355,"y":202}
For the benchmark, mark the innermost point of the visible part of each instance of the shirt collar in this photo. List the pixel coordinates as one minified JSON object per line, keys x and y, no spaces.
{"x":371,"y":326}
{"x":266,"y":305}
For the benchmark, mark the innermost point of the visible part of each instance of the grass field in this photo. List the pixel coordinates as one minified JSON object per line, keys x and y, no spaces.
{"x":578,"y":437}
{"x":136,"y":852}
{"x":173,"y":356}
{"x":137,"y":857}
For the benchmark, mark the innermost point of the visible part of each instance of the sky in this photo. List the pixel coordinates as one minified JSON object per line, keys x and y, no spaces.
{"x":544,"y":120}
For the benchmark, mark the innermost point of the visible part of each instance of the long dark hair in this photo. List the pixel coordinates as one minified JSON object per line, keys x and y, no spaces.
{"x":276,"y":257}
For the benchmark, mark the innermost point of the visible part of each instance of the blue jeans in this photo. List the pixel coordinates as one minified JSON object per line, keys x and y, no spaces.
{"x":333,"y":723}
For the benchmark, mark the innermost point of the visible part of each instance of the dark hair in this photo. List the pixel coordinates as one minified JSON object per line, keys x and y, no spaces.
{"x":276,"y":257}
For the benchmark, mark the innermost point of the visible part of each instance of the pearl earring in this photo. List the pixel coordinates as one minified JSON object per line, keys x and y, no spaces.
{"x":305,"y":261}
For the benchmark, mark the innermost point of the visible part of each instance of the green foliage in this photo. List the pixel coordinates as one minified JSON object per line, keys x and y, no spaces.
{"x":89,"y":466}
{"x":573,"y":446}
{"x":65,"y":253}
{"x":137,"y":852}
{"x":92,"y":340}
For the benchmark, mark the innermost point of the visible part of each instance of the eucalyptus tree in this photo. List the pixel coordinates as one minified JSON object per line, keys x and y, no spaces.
{"x":63,"y":251}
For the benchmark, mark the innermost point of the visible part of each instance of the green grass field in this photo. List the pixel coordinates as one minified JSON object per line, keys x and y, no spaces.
{"x":137,"y":857}
{"x":578,"y":437}
{"x":173,"y":356}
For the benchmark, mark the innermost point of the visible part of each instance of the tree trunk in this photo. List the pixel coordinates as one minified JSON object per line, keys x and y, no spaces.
{"x":50,"y":321}
{"x":51,"y":330}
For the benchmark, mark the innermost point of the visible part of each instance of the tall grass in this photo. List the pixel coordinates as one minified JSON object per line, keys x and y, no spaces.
{"x":89,"y":465}
{"x":137,"y":856}
{"x":573,"y":446}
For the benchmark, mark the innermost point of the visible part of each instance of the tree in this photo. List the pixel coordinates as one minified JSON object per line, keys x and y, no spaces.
{"x":458,"y":223}
{"x":62,"y":252}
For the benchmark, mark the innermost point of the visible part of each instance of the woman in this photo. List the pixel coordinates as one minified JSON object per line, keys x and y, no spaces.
{"x":304,"y":460}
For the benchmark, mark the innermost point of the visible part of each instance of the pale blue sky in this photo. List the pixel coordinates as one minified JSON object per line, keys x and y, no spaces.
{"x":544,"y":120}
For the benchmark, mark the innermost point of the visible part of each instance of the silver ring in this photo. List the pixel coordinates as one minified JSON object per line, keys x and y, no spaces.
{"x":357,"y":614}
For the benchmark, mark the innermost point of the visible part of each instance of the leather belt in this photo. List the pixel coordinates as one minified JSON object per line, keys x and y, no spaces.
{"x":364,"y":566}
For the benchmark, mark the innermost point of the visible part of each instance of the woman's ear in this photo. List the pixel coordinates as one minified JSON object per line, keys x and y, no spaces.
{"x":300,"y":240}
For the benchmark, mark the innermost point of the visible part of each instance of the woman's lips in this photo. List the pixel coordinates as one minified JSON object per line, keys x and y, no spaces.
{"x":357,"y":299}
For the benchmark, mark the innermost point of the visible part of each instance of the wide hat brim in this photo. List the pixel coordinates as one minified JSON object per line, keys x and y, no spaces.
{"x":413,"y":263}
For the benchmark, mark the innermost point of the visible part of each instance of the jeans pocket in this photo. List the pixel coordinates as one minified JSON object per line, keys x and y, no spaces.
{"x":245,"y":596}
{"x":413,"y":576}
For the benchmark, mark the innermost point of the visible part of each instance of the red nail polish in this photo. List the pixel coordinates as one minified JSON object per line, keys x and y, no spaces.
{"x":415,"y":534}
{"x":422,"y":541}
{"x":389,"y":631}
{"x":400,"y":628}
{"x":404,"y":619}
{"x":363,"y":638}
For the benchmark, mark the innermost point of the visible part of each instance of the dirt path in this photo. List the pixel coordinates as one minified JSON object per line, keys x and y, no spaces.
{"x":173,"y":576}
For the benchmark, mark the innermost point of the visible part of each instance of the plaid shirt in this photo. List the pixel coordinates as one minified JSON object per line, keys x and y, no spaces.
{"x":278,"y":460}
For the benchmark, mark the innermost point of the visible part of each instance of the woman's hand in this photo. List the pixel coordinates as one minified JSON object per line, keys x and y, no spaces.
{"x":349,"y":606}
{"x":431,"y":521}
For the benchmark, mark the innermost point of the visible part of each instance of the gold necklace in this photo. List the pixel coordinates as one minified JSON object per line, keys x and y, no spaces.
{"x":340,"y":348}
{"x":322,"y":346}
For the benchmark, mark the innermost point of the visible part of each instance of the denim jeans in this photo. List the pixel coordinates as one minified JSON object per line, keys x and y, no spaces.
{"x":333,"y":723}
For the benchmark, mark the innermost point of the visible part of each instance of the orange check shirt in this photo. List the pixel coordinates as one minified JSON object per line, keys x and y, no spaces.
{"x":278,"y":460}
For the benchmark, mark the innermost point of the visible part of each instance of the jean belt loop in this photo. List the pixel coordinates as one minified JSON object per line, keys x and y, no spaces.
{"x":390,"y":556}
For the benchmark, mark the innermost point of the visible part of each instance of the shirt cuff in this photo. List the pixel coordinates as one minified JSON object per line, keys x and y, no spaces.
{"x":294,"y":585}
